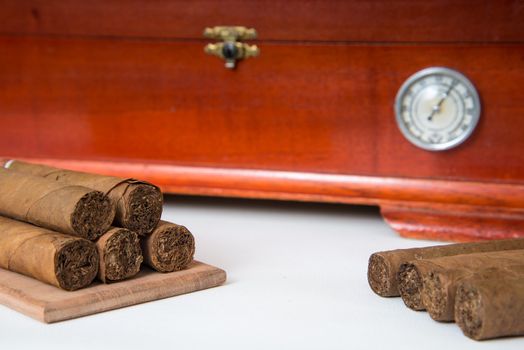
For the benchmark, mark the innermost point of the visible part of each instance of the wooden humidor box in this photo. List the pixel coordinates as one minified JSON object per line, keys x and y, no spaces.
{"x":126,"y":88}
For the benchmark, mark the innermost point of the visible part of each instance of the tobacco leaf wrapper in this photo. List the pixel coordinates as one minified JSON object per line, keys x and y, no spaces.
{"x":441,"y":275}
{"x":65,"y":208}
{"x":61,"y":260}
{"x":491,"y":304}
{"x":170,"y":247}
{"x":383,"y":267}
{"x":120,"y":255}
{"x":138,"y":203}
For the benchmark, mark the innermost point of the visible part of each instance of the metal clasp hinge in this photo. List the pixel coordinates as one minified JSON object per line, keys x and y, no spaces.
{"x":231,"y":49}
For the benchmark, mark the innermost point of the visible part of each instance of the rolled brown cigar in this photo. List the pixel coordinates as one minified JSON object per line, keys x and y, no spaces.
{"x":138,"y":203}
{"x":169,"y":248}
{"x":63,"y":261}
{"x":410,"y":284}
{"x":441,"y":275}
{"x":491,"y":305}
{"x":74,"y":210}
{"x":120,"y":255}
{"x":413,"y":277}
{"x":383,"y":267}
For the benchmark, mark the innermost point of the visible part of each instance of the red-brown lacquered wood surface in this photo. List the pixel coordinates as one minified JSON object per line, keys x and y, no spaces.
{"x":294,"y":20}
{"x":311,"y":108}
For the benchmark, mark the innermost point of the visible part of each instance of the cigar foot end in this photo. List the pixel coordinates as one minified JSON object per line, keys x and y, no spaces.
{"x":378,"y":276}
{"x":143,"y":209}
{"x":173,"y":249}
{"x":93,"y":215}
{"x":76,"y":264}
{"x":122,"y":256}
{"x":468,"y":311}
{"x":410,"y":286}
{"x":435,"y":298}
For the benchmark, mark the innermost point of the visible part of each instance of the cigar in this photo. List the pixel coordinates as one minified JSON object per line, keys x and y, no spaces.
{"x":441,"y":275}
{"x":410,"y":283}
{"x":383,"y":267}
{"x":491,"y":305}
{"x":169,"y":248}
{"x":61,"y":260}
{"x":138,"y":203}
{"x":74,"y":210}
{"x":120,"y":255}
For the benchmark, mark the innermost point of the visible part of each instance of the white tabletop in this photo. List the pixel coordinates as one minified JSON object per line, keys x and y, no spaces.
{"x":296,"y":280}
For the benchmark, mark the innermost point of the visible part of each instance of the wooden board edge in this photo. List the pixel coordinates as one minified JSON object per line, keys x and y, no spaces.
{"x":210,"y":278}
{"x":28,"y":296}
{"x":22,"y":303}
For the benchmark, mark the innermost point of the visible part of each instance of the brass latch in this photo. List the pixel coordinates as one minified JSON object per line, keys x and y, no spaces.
{"x":230,"y":49}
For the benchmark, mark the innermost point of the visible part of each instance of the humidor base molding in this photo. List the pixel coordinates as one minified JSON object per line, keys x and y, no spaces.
{"x":449,"y":210}
{"x":49,"y":304}
{"x":458,"y":223}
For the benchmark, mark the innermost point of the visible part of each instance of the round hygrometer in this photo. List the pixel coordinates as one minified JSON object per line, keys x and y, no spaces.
{"x":437,"y":108}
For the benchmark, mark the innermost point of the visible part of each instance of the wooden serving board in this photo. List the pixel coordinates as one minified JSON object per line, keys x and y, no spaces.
{"x":50,"y":304}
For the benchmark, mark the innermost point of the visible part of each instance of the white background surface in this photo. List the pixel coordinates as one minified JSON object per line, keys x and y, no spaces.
{"x":296,"y":280}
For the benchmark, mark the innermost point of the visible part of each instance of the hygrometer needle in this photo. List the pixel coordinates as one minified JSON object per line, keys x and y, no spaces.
{"x":436,"y":108}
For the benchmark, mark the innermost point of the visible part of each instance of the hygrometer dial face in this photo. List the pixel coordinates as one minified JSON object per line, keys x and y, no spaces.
{"x":437,"y":108}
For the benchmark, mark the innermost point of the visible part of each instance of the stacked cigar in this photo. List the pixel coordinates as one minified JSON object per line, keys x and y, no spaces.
{"x":478,"y":285}
{"x":65,"y":227}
